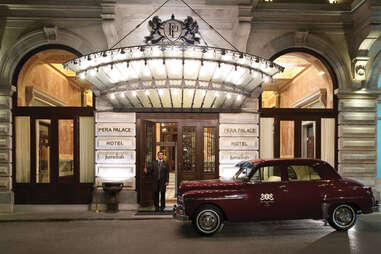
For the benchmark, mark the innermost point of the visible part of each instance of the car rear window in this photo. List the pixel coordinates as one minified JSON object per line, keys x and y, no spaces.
{"x":302,"y":173}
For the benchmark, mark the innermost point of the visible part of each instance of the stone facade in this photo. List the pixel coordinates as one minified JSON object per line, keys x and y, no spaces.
{"x":346,"y":36}
{"x":357,"y":137}
{"x":6,"y":194}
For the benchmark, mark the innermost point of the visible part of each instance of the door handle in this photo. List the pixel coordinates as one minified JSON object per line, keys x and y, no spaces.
{"x":284,"y":188}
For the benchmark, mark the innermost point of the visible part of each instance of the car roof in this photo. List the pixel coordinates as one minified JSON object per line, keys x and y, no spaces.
{"x":259,"y":162}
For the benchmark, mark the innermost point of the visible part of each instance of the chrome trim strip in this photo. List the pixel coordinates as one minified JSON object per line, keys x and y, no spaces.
{"x":343,"y":198}
{"x":221,"y":198}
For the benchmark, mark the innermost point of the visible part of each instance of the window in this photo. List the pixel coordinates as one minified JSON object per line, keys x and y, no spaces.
{"x":44,"y":82}
{"x":268,"y":174}
{"x":302,"y":173}
{"x":189,"y":149}
{"x":209,"y":136}
{"x":305,"y":83}
{"x":244,"y":171}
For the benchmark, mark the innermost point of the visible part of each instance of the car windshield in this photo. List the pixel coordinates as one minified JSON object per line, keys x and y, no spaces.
{"x":243,"y":171}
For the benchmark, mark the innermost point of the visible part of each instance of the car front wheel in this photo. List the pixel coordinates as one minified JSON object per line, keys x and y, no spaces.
{"x":342,"y":217}
{"x":207,"y":220}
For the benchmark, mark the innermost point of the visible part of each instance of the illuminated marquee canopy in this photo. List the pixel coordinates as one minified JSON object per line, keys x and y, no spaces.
{"x":171,"y":72}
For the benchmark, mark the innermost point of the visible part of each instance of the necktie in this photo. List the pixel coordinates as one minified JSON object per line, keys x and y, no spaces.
{"x":160,"y":168}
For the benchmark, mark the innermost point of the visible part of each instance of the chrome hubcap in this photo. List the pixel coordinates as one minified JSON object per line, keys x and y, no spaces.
{"x":343,"y":216}
{"x":208,"y":220}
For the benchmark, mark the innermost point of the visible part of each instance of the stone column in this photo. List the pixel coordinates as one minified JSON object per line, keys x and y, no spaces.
{"x":357,"y":136}
{"x":115,"y":144}
{"x":238,"y":137}
{"x":6,"y":193}
{"x":378,"y":177}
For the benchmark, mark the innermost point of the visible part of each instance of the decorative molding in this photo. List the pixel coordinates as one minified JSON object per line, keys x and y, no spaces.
{"x":301,"y":37}
{"x":33,"y":94}
{"x":318,"y":96}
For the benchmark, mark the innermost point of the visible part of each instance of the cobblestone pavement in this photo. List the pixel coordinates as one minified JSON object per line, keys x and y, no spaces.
{"x":169,"y":236}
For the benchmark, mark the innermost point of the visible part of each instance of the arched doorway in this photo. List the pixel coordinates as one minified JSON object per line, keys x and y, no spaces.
{"x":53,"y":126}
{"x":298,"y":109}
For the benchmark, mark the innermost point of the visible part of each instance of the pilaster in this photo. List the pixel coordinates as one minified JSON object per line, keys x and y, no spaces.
{"x":115,"y":157}
{"x":238,"y":137}
{"x":357,"y":132}
{"x":6,"y":193}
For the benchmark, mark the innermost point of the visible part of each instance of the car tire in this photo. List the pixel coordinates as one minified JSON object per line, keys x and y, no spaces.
{"x":342,"y":217}
{"x":208,"y":219}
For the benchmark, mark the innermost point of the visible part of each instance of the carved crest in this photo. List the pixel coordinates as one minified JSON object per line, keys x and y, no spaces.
{"x":172,"y":31}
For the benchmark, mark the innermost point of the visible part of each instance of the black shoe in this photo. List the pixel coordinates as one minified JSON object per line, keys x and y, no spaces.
{"x":162,"y":209}
{"x":156,"y":209}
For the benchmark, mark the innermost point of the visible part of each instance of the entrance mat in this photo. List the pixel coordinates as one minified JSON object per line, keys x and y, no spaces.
{"x":151,"y":212}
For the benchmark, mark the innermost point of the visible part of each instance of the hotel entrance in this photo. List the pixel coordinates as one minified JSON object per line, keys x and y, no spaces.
{"x":190,"y":146}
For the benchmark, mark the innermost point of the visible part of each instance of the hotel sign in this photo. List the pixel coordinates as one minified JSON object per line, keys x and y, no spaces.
{"x":238,"y":130}
{"x":113,"y":172}
{"x":239,"y":143}
{"x":115,"y":157}
{"x":115,"y":129}
{"x":115,"y":143}
{"x":237,"y":156}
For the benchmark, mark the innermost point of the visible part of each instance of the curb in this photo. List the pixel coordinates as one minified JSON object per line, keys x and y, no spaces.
{"x":139,"y":217}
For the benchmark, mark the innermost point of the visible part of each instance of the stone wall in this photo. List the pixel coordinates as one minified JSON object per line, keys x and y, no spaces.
{"x":6,"y":193}
{"x":357,"y":137}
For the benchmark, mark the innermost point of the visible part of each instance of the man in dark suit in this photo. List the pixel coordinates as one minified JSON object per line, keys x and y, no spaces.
{"x":160,"y":178}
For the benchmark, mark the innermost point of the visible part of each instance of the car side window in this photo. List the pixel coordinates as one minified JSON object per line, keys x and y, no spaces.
{"x":267,"y":174}
{"x":302,"y":173}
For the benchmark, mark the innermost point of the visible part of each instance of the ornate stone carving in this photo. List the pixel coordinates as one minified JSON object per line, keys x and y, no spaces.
{"x":172,"y":31}
{"x":50,"y":32}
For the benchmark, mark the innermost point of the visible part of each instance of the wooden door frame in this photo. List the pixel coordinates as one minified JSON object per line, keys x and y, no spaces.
{"x":53,"y":192}
{"x":180,"y":119}
{"x":298,"y":115}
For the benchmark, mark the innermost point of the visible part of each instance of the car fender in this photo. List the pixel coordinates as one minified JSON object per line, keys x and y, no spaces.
{"x":224,"y":200}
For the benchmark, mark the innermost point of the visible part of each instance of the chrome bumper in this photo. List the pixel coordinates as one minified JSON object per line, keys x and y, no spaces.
{"x":179,"y":214}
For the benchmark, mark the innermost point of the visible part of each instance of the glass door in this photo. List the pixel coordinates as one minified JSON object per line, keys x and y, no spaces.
{"x":43,"y":148}
{"x":199,"y":151}
{"x":297,"y":138}
{"x":47,"y":161}
{"x":54,"y":143}
{"x":287,"y":139}
{"x":148,"y":146}
{"x":66,"y":151}
{"x":209,"y":152}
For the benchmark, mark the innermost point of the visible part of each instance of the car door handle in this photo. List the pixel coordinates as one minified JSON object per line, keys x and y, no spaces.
{"x":283,"y":187}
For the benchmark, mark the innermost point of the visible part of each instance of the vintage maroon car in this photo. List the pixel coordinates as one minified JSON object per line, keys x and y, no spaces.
{"x":279,"y":189}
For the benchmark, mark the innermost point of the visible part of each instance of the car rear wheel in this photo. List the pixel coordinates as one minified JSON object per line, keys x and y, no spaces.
{"x":207,"y":220}
{"x":342,"y":217}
